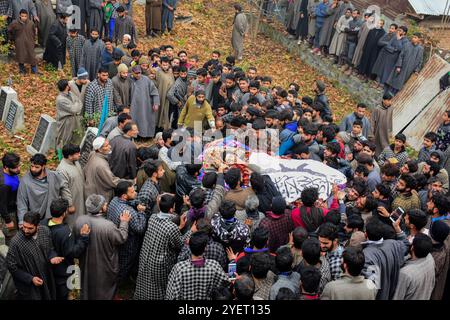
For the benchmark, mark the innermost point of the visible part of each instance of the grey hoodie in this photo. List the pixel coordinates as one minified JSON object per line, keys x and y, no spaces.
{"x":37,"y":195}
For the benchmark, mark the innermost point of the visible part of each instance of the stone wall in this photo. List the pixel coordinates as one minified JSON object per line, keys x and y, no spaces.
{"x":361,"y":91}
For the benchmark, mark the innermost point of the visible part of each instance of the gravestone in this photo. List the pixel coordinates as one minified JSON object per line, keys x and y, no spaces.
{"x":7,"y":94}
{"x":14,"y":117}
{"x":86,"y":145}
{"x":44,"y":137}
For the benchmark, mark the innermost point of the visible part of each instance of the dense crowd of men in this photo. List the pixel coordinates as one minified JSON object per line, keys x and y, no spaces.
{"x":178,"y":228}
{"x":356,"y":40}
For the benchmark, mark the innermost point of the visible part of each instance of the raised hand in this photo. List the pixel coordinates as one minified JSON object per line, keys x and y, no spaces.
{"x":125,"y":216}
{"x":85,"y":230}
{"x":56,"y":260}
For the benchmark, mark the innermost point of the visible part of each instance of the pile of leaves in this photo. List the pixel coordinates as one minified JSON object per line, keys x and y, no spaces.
{"x":210,"y":29}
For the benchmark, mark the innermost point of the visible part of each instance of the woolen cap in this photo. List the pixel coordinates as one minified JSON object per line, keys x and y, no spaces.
{"x":122,"y":68}
{"x":82,"y":73}
{"x":94,"y":203}
{"x":136,"y":69}
{"x":144,"y":60}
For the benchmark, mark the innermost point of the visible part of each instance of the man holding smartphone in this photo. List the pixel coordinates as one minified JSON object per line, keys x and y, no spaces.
{"x":408,"y":198}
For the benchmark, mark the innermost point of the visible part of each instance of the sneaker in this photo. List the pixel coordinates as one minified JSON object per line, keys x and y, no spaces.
{"x":299,"y":42}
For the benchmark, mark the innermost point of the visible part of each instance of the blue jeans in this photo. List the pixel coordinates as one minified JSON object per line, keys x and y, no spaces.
{"x":317,"y":36}
{"x":167,"y":19}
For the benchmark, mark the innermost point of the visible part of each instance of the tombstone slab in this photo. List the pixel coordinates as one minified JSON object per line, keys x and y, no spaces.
{"x":7,"y":94}
{"x":44,"y":137}
{"x":14,"y":120}
{"x":2,"y":238}
{"x":86,"y":145}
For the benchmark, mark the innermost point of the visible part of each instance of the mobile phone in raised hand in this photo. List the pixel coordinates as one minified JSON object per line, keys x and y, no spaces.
{"x":397,"y":214}
{"x":232,"y":270}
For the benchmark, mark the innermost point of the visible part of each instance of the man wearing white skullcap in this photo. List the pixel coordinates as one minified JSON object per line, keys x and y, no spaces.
{"x":99,"y":178}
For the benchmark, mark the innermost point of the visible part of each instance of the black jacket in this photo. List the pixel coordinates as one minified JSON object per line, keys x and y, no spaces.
{"x":66,"y":245}
{"x":56,"y":44}
{"x":184,"y":182}
{"x":8,"y":202}
{"x":265,"y":197}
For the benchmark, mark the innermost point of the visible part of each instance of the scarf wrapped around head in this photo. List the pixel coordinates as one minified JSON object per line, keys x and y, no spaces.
{"x":194,"y":214}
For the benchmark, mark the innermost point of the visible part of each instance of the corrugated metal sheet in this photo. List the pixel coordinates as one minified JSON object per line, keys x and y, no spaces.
{"x":389,"y":8}
{"x":429,"y":7}
{"x":428,"y":120}
{"x":417,"y":93}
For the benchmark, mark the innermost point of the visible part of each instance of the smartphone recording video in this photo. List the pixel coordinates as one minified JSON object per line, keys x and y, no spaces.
{"x":232,"y":270}
{"x":396,"y":214}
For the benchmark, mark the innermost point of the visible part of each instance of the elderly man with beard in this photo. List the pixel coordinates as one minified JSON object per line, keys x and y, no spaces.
{"x":38,"y":188}
{"x":197,"y":109}
{"x":98,"y":176}
{"x":100,"y":263}
{"x":28,"y":259}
